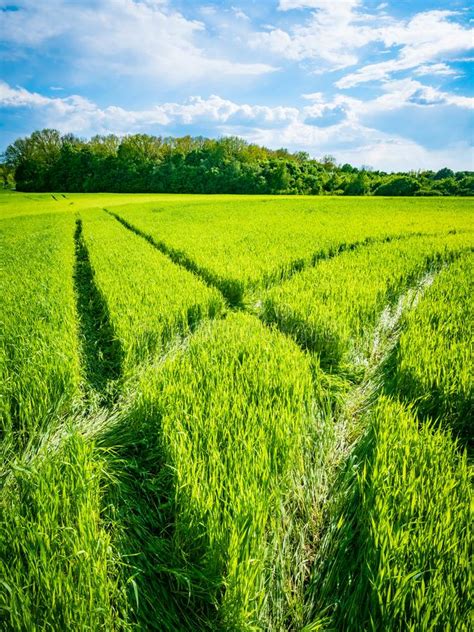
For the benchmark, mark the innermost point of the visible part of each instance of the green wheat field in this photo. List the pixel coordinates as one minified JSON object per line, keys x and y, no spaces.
{"x":236,"y":413}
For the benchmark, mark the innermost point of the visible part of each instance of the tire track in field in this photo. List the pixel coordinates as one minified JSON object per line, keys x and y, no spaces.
{"x":284,"y":273}
{"x":231,"y":290}
{"x":101,"y":351}
{"x":97,"y":334}
{"x":346,"y":404}
{"x":297,"y":266}
{"x":349,"y":414}
{"x":234,"y":297}
{"x":344,"y":411}
{"x":351,"y":401}
{"x":358,"y":400}
{"x":100,"y":354}
{"x":384,"y":341}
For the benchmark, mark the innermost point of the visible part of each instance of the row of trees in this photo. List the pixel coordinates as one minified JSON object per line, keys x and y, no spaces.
{"x":49,"y":161}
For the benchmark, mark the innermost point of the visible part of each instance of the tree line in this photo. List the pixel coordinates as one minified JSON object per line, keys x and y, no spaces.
{"x":141,"y":163}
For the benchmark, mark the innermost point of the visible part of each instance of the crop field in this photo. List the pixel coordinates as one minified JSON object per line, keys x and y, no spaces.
{"x":237,"y":249}
{"x":236,"y":413}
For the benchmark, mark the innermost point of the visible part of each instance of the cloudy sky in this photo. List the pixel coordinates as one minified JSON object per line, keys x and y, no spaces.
{"x":385,"y":84}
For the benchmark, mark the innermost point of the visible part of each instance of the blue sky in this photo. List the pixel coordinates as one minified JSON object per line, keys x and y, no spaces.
{"x":385,"y":84}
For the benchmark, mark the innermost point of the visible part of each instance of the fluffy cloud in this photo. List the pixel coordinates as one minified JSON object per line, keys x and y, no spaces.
{"x":397,"y":95}
{"x":324,"y":37}
{"x":435,"y":69}
{"x":428,"y":36}
{"x":336,"y":32}
{"x":125,"y":37}
{"x":340,"y":125}
{"x":216,"y":109}
{"x":19,"y":97}
{"x":360,"y":145}
{"x":408,"y":91}
{"x":79,"y":115}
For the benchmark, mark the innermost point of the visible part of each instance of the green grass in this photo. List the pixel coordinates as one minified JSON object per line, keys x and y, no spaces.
{"x":333,"y":308}
{"x":433,"y":362}
{"x":13,"y":204}
{"x":173,"y":463}
{"x":240,"y":242}
{"x":58,"y":566}
{"x":149,"y":300}
{"x":224,"y":434}
{"x":39,"y":347}
{"x":397,"y":552}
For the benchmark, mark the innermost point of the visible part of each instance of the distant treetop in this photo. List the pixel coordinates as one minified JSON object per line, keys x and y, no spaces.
{"x":49,"y":161}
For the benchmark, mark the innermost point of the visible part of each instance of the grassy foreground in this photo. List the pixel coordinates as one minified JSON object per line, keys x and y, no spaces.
{"x":397,"y":555}
{"x":233,"y":413}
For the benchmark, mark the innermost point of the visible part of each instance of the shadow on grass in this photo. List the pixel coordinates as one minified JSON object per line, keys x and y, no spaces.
{"x":394,"y":554}
{"x":102,"y":353}
{"x":231,"y":289}
{"x":453,"y":410}
{"x":168,"y":587}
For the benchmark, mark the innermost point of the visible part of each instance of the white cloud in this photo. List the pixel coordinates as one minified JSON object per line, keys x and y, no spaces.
{"x":397,"y":94}
{"x":435,"y":69}
{"x":336,"y":32}
{"x":400,"y":154}
{"x":323,"y":126}
{"x":218,"y":110}
{"x":362,"y":145}
{"x":79,"y":115}
{"x":427,"y":37}
{"x":123,"y":37}
{"x":19,"y":97}
{"x":408,"y":91}
{"x":214,"y":109}
{"x":331,"y":6}
{"x":331,"y":35}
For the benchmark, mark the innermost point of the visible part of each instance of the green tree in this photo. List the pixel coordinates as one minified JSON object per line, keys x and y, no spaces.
{"x":399,"y":185}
